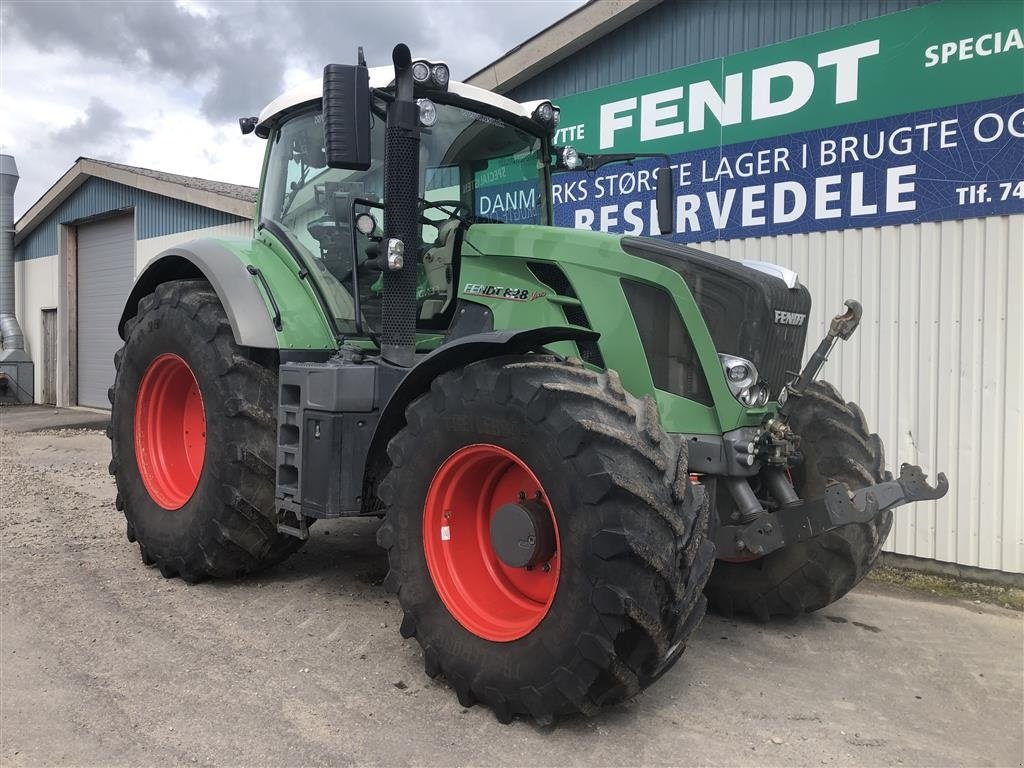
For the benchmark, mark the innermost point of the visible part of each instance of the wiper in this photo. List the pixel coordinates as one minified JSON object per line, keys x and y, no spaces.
{"x":294,"y":192}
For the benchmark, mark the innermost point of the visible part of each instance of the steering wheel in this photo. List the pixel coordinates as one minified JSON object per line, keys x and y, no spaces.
{"x":461,"y":211}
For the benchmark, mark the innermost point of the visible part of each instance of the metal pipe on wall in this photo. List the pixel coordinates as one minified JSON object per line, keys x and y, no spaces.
{"x":13,"y":338}
{"x":17,"y":373}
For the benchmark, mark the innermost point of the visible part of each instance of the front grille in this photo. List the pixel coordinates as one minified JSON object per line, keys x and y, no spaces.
{"x":738,"y":305}
{"x":671,"y":356}
{"x":553,"y":277}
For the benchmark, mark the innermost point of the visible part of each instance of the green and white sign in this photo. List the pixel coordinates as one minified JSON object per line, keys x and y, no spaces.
{"x":914,"y":116}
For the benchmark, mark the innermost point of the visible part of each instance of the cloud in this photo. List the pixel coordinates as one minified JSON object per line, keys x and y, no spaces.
{"x":102,"y":124}
{"x":162,"y":83}
{"x":237,"y":53}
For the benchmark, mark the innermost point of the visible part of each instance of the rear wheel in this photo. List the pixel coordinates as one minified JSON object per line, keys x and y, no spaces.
{"x":837,"y":446}
{"x":545,"y":543}
{"x":192,"y":439}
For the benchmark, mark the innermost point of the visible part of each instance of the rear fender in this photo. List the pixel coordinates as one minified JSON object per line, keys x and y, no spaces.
{"x":266,"y":302}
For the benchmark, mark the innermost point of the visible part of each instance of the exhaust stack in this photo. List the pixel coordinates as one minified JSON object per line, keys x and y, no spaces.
{"x":16,"y":370}
{"x":401,"y":219}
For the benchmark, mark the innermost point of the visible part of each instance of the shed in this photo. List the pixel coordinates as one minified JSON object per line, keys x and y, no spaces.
{"x":78,"y":250}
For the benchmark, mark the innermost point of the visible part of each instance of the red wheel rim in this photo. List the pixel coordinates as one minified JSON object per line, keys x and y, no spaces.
{"x":170,"y":431}
{"x":489,"y":598}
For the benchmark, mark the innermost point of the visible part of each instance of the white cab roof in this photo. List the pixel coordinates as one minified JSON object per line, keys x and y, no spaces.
{"x":382,"y":77}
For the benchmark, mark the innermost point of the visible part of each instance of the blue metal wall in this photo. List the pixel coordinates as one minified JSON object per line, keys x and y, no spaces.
{"x":677,"y":33}
{"x":155,"y":215}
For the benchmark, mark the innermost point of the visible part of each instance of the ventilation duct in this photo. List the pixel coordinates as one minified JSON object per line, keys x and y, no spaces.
{"x":15,"y":364}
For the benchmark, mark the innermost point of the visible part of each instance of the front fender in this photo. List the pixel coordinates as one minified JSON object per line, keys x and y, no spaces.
{"x":455,"y":354}
{"x":226,"y":264}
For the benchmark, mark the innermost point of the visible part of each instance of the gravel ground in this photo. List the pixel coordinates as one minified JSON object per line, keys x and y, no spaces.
{"x":103,"y":662}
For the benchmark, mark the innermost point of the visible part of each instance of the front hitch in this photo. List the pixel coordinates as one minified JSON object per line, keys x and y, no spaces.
{"x":805,"y":519}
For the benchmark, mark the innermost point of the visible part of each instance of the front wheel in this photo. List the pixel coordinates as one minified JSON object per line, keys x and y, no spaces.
{"x":804,"y":577}
{"x":193,"y":439}
{"x":545,"y":542}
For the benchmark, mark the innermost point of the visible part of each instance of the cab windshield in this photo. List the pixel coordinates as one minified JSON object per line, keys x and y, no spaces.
{"x":473,"y":168}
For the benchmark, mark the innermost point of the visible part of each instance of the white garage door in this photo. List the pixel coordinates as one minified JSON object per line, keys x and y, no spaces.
{"x":106,"y":270}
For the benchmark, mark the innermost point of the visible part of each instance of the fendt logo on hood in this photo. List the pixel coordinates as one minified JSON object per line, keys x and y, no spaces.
{"x":501,"y":292}
{"x":789,"y":318}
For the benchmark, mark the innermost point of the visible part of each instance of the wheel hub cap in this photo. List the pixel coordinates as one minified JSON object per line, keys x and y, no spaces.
{"x":522,"y":535}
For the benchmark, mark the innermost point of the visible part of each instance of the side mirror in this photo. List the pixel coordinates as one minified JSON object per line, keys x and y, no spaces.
{"x":664,"y":192}
{"x":346,"y":104}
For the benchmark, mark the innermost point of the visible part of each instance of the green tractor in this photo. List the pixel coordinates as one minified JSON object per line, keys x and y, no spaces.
{"x":576,"y":440}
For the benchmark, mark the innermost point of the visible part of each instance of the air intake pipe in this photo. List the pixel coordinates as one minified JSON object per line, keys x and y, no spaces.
{"x":13,"y":338}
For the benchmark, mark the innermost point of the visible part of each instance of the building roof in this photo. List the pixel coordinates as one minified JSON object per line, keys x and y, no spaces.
{"x":557,"y":42}
{"x":236,"y":191}
{"x":235,"y":199}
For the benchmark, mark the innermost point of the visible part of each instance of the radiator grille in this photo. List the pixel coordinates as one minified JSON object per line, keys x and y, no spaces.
{"x":738,"y":305}
{"x":670,"y":353}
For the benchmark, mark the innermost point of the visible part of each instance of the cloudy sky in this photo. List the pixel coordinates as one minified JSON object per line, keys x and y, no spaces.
{"x":162,"y":84}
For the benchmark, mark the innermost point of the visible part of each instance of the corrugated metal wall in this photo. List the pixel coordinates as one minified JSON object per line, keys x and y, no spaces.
{"x":676,"y":33}
{"x":936,"y":366}
{"x":155,"y":215}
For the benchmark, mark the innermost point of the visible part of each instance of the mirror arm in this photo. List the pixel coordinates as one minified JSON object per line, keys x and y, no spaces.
{"x":593,"y":162}
{"x":666,"y":212}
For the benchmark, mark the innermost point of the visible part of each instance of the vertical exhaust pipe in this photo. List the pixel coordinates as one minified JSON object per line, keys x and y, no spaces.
{"x":13,"y":338}
{"x":401,"y":219}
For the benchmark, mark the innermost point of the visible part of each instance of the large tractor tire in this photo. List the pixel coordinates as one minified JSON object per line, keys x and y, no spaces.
{"x":807,"y":576}
{"x":193,"y":439}
{"x":545,"y":542}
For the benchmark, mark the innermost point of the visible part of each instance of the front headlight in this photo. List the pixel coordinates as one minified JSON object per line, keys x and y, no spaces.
{"x":742,"y":378}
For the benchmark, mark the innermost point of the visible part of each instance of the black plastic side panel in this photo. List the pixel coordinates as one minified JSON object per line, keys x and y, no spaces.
{"x":331,"y":442}
{"x":327,"y":414}
{"x":738,"y":305}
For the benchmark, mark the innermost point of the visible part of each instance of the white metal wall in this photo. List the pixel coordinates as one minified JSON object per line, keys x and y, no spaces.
{"x":36,"y":287}
{"x":936,"y":366}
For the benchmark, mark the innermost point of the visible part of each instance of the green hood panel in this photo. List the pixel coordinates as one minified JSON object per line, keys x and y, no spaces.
{"x":498,"y":255}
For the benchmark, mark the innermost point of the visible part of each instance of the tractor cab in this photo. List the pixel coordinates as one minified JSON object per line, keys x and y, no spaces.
{"x":481,"y":158}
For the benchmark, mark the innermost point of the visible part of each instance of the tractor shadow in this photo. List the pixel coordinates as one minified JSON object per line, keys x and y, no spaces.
{"x":339,"y":553}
